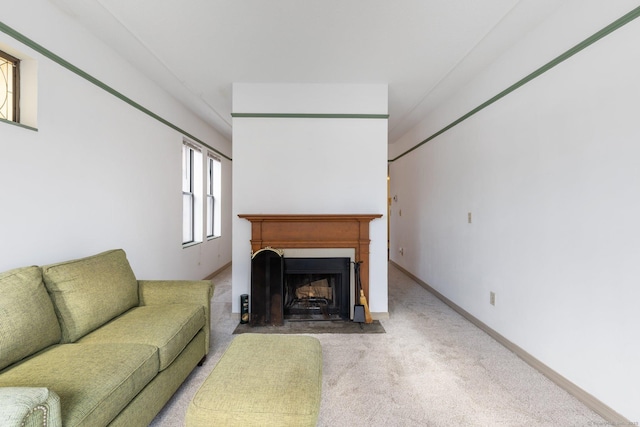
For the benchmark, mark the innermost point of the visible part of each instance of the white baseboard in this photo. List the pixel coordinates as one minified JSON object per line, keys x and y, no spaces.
{"x":379,"y":315}
{"x":212,"y":275}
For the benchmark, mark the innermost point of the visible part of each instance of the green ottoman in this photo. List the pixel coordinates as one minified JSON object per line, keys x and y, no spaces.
{"x":262,"y":380}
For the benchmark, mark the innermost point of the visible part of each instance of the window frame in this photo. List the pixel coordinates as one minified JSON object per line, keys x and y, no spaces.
{"x":188,"y":181}
{"x":213,"y":196}
{"x":15,"y":65}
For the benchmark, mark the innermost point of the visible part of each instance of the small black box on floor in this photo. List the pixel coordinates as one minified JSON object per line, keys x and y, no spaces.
{"x":244,"y":308}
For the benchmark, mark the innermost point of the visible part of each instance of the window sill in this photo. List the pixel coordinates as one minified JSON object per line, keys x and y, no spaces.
{"x":188,"y":245}
{"x":20,"y":125}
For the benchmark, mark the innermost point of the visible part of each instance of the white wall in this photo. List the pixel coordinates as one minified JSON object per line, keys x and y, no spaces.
{"x":98,"y":174}
{"x":550,"y":174}
{"x":310,"y":166}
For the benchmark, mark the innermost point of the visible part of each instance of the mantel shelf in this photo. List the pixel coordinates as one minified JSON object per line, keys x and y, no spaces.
{"x":309,"y":217}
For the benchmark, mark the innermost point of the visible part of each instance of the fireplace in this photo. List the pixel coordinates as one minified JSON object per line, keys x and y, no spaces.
{"x":316,"y":288}
{"x":305,"y":232}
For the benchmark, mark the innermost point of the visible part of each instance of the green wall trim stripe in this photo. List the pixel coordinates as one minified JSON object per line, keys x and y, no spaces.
{"x":55,"y":58}
{"x":309,"y":116}
{"x":559,"y":59}
{"x":9,"y":122}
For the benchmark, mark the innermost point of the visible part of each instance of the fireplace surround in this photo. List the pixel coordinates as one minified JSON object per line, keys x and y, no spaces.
{"x":272,"y":234}
{"x":315,"y":231}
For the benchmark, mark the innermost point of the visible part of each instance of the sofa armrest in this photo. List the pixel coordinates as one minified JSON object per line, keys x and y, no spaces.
{"x":153,"y":292}
{"x":32,"y":406}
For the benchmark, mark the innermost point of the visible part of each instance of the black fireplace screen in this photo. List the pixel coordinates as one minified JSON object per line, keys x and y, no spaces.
{"x":266,"y":288}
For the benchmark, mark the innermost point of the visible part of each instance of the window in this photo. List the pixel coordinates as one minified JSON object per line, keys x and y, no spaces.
{"x":214,"y":191}
{"x":191,"y":188}
{"x":201,"y":194}
{"x":9,"y":87}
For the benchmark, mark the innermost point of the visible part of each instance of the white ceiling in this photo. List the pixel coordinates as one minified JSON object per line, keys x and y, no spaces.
{"x":423,"y":49}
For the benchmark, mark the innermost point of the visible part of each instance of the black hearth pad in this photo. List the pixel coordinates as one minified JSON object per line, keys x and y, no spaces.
{"x":314,"y":327}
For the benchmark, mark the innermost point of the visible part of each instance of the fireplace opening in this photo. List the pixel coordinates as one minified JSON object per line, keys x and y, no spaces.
{"x":316,"y":288}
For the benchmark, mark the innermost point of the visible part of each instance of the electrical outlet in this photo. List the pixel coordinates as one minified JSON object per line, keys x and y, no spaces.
{"x":401,"y":250}
{"x":469,"y":217}
{"x":492,"y":298}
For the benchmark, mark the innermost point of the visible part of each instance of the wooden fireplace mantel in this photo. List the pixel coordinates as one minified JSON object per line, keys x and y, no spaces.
{"x":315,"y":231}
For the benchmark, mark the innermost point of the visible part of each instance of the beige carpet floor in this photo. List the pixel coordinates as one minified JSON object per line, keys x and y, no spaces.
{"x":431,"y":368}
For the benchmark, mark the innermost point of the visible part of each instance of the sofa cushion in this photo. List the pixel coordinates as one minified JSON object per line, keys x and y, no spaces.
{"x":94,"y":381}
{"x":89,"y":292}
{"x":29,"y":323}
{"x":170,"y":327}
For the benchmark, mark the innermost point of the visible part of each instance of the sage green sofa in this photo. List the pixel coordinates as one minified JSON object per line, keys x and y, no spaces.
{"x":84,"y":343}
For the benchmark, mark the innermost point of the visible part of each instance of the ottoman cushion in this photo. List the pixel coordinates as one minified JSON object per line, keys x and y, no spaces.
{"x":262,"y":380}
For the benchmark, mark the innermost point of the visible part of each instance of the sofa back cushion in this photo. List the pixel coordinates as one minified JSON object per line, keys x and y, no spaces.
{"x":88,"y":292}
{"x":28,"y":323}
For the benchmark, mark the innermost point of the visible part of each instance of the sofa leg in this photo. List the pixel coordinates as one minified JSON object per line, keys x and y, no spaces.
{"x":201,"y":362}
